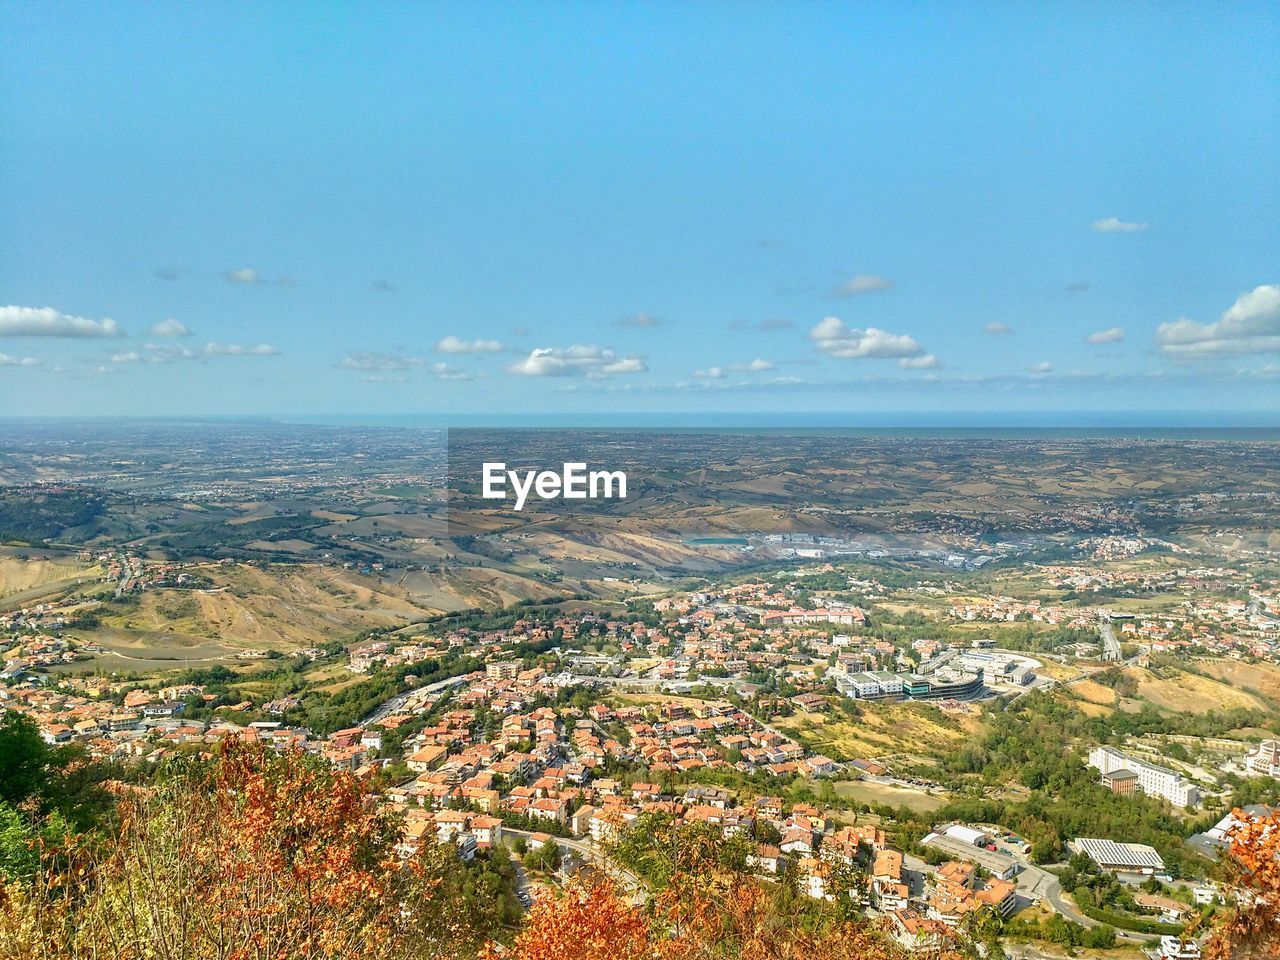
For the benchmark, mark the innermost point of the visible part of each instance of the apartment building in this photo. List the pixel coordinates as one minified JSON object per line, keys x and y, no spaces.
{"x":1152,"y":780}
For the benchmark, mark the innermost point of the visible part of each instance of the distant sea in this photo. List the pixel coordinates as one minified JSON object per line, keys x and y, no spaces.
{"x":1120,"y":424}
{"x":1248,"y":425}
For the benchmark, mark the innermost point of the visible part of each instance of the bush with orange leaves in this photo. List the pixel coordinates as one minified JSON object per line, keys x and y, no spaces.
{"x":1251,"y":929}
{"x":705,"y":911}
{"x":253,"y":857}
{"x":689,"y":921}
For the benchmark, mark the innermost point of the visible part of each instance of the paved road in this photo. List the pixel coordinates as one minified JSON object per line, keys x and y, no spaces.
{"x":388,"y":707}
{"x":1110,"y":645}
{"x":589,"y":851}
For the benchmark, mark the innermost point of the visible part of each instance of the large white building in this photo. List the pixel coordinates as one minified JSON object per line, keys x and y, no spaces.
{"x":1152,"y":780}
{"x":869,"y":684}
{"x":1264,"y":759}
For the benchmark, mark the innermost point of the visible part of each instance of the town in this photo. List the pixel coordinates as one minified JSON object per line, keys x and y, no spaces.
{"x":809,"y":713}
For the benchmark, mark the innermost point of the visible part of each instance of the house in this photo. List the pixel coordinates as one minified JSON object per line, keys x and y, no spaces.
{"x":887,"y":867}
{"x":451,"y":823}
{"x":914,"y":932}
{"x":487,"y":831}
{"x":57,"y":733}
{"x":1175,"y":948}
{"x":1001,"y":896}
{"x":548,"y":808}
{"x":766,"y":859}
{"x":426,"y":759}
{"x":1170,"y":910}
{"x":797,"y":841}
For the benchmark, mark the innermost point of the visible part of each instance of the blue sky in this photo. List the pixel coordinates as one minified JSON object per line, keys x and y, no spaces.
{"x":470,"y":208}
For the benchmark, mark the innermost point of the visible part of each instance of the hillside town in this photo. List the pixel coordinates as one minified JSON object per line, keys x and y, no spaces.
{"x":573,"y":727}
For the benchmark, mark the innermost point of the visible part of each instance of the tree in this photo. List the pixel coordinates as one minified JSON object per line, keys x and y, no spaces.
{"x":45,"y":778}
{"x":25,"y":758}
{"x":1252,"y":927}
{"x":696,"y":918}
{"x":587,"y":923}
{"x":17,"y":845}
{"x":251,"y":857}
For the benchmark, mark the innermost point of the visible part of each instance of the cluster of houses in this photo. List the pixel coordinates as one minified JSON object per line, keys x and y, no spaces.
{"x":1011,"y":609}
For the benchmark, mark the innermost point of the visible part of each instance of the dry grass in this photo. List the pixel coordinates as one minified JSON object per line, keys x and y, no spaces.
{"x":882,"y":730}
{"x":1263,"y":677}
{"x":1189,"y":693}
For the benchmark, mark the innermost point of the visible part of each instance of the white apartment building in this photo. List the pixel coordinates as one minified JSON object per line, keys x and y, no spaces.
{"x":1152,"y":780}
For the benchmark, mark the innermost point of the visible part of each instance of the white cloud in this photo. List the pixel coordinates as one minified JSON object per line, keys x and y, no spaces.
{"x":1043,"y":367}
{"x":382,"y":378}
{"x":1115,"y":225}
{"x":248,"y":276}
{"x":625,"y":365}
{"x":837,"y":340}
{"x":864,"y":283}
{"x":172,"y":352}
{"x":8,"y":361}
{"x":169,"y":352}
{"x":577,"y":360}
{"x":47,"y":322}
{"x":997,"y":328}
{"x":1111,"y":335}
{"x":236,"y":350}
{"x":639,"y":320}
{"x":170,"y":328}
{"x":927,"y":362}
{"x":442,"y":371}
{"x":131,"y":356}
{"x":1250,"y":325}
{"x":379,"y":361}
{"x":453,"y":344}
{"x":758,"y":365}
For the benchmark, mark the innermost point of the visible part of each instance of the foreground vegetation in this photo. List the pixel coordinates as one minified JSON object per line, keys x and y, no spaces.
{"x":252,"y":855}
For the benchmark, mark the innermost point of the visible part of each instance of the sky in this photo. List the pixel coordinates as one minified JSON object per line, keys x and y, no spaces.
{"x":364,"y":208}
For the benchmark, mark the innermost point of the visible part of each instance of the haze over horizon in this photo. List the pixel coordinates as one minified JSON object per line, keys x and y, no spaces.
{"x":446,"y":210}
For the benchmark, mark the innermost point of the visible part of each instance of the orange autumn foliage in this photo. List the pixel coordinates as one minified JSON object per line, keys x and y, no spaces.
{"x":587,"y":923}
{"x":1251,"y":930}
{"x":252,"y":857}
{"x":698,"y":917}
